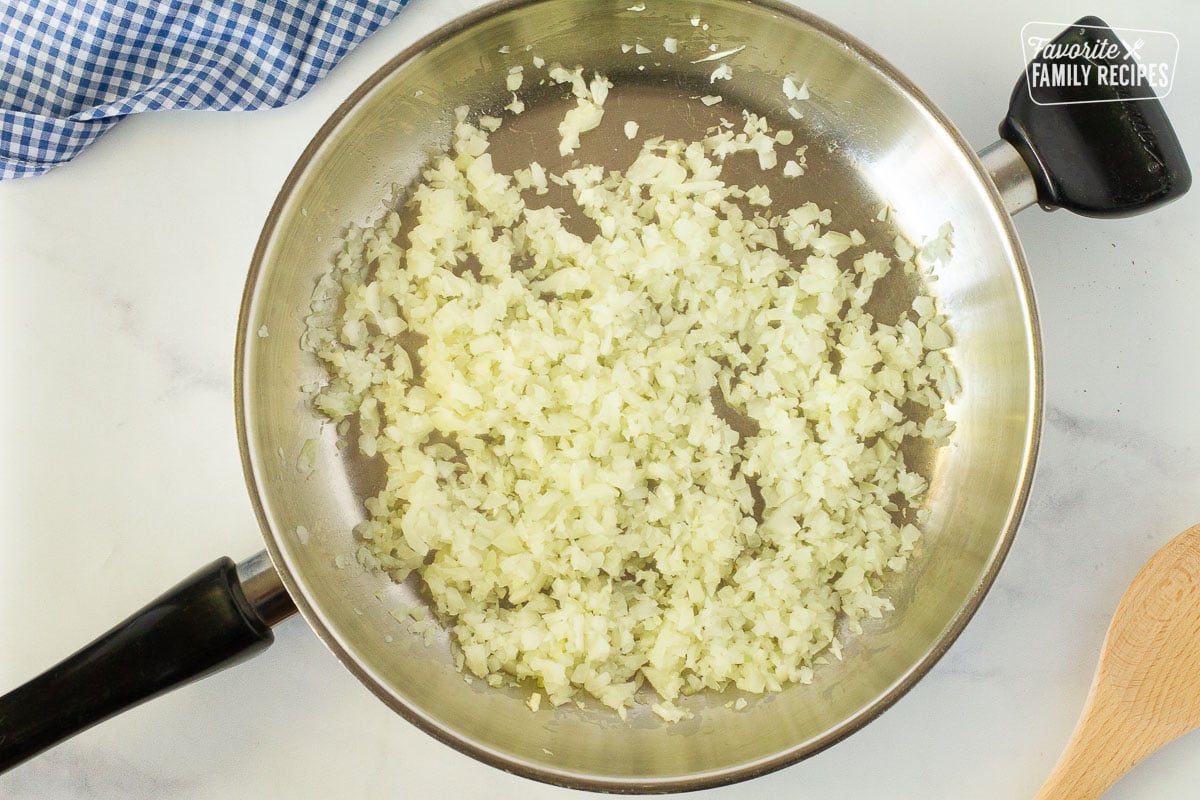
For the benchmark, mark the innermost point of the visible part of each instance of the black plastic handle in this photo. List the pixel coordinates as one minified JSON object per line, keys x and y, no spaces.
{"x":200,"y":626}
{"x":1101,"y":148}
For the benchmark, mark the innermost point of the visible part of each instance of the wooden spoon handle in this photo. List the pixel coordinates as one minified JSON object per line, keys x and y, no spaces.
{"x":1096,"y":757}
{"x":1146,"y":691}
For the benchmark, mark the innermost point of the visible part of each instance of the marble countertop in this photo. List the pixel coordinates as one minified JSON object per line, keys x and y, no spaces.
{"x":120,"y":474}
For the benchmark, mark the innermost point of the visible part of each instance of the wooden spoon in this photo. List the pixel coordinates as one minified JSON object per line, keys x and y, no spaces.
{"x":1146,"y":691}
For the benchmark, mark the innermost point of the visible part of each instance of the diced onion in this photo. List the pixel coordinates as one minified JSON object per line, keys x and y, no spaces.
{"x":668,"y":456}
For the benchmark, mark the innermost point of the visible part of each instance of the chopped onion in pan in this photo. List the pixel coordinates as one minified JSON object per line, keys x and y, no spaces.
{"x":668,"y":454}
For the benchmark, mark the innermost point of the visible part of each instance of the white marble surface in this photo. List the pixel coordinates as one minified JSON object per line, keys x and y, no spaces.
{"x":119,"y":471}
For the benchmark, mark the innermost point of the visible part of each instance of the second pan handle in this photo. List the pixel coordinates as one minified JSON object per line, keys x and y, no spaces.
{"x":1098,"y":150}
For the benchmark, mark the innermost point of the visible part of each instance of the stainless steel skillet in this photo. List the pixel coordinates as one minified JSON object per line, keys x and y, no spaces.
{"x":874,"y":140}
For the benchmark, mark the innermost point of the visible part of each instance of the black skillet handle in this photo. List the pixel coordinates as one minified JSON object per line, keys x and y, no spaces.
{"x":201,"y":625}
{"x":1098,"y":148}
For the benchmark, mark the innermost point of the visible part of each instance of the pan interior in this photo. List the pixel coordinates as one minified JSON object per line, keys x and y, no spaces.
{"x":873,"y":141}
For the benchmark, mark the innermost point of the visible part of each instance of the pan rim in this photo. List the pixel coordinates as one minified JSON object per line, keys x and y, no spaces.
{"x":343,"y":649}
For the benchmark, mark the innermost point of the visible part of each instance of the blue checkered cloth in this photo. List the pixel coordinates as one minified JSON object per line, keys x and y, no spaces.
{"x":71,"y":69}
